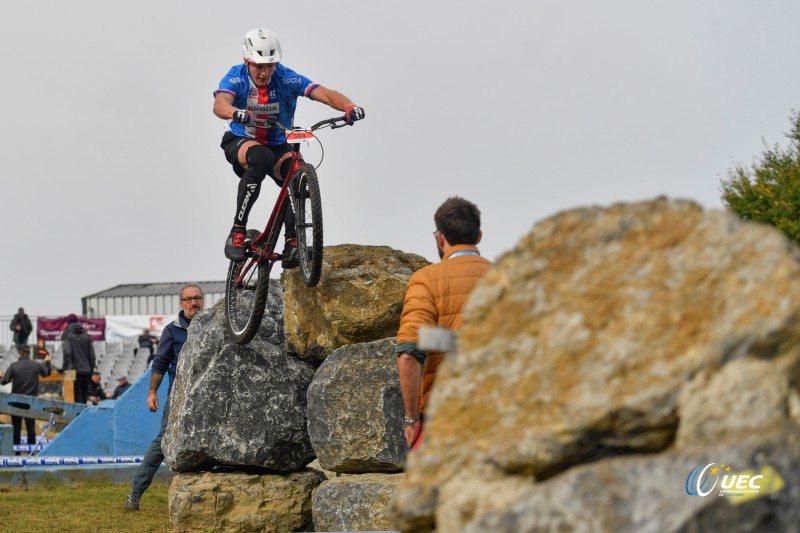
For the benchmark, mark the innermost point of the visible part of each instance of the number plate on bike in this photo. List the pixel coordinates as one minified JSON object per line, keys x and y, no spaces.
{"x":296,"y":137}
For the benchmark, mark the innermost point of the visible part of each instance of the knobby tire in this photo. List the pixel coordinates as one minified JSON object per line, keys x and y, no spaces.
{"x":245,"y":305}
{"x":309,"y":225}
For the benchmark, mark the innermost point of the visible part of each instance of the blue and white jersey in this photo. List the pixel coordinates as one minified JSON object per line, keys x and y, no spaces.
{"x":278,"y":99}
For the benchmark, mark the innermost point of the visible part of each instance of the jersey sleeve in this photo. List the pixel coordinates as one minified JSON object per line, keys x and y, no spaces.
{"x":297,"y":84}
{"x":232,"y":83}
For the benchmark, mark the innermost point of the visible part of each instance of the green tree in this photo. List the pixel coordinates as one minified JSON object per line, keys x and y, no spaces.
{"x":769,"y":191}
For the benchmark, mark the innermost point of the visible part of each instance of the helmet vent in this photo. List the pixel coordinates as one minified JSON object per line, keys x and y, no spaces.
{"x":272,"y":52}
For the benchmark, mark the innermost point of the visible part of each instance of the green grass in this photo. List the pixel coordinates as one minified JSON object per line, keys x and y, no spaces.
{"x":83,"y":508}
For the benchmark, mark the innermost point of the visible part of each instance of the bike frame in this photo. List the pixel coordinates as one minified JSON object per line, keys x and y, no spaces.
{"x":257,"y":253}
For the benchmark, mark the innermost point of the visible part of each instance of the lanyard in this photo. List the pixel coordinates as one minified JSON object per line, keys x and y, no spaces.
{"x":464,"y":252}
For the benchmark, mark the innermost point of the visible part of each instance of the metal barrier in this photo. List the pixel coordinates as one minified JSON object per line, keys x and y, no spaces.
{"x":61,"y":461}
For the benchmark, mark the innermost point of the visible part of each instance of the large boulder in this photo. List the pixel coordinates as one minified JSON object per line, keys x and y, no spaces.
{"x":241,"y":502}
{"x":360,"y":502}
{"x":237,"y":405}
{"x":578,"y":343}
{"x":359,"y":299}
{"x":648,"y":493}
{"x":355,"y":410}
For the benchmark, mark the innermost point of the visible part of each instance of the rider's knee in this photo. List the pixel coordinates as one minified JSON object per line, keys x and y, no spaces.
{"x":260,"y":160}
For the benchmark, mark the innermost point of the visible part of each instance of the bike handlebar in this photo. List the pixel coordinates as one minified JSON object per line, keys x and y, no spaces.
{"x":336,"y":122}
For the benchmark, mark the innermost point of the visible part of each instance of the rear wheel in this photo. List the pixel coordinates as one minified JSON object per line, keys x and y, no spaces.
{"x":246,"y":299}
{"x":309,"y":225}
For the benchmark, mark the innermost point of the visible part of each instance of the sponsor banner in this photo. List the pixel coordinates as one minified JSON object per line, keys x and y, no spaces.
{"x":121,"y":327}
{"x":50,"y":329}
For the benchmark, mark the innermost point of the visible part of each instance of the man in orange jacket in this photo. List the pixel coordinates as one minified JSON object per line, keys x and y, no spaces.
{"x":436,"y":296}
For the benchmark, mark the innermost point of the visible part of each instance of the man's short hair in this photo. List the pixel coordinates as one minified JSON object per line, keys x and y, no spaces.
{"x":195,"y":285}
{"x":459,"y":220}
{"x":23,"y":351}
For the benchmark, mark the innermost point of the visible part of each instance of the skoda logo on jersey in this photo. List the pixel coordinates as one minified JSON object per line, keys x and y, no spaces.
{"x":267,"y":108}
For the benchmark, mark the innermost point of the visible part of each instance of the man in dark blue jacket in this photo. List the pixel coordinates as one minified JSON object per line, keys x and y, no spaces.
{"x":165,"y":362}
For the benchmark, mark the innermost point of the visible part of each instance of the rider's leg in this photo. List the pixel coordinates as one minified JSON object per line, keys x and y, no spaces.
{"x":279,"y":173}
{"x":258,"y":159}
{"x":250,"y":161}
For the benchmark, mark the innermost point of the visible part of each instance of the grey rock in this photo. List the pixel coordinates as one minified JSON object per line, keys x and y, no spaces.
{"x":237,"y":405}
{"x":355,"y":410}
{"x":359,"y":502}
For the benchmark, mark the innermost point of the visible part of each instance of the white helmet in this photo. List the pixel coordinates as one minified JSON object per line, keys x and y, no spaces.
{"x":261,"y":46}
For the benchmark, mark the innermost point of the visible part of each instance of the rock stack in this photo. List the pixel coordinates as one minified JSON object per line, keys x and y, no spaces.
{"x":245,"y":421}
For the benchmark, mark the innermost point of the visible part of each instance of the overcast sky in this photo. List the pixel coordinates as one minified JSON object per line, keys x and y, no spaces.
{"x":110,"y":160}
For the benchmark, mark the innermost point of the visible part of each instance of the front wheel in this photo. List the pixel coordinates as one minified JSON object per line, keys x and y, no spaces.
{"x":246,"y":300}
{"x":309,"y":225}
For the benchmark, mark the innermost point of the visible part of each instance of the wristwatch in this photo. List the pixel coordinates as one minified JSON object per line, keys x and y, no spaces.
{"x":411,"y":420}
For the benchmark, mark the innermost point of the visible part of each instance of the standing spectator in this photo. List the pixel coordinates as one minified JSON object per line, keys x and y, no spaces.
{"x":96,"y":392}
{"x":435,"y":296}
{"x":24,"y":377}
{"x":122,"y":386}
{"x":41,"y":351}
{"x":146,"y":340}
{"x":21,"y":326}
{"x":166,"y":361}
{"x":78,"y":354}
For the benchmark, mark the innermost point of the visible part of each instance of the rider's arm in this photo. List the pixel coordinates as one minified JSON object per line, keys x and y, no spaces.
{"x":335,"y":99}
{"x":223,"y":105}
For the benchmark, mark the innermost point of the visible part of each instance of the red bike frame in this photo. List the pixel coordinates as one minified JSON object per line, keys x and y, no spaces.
{"x":258,"y":247}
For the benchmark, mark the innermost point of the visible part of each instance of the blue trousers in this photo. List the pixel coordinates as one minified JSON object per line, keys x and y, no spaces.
{"x":152,"y":459}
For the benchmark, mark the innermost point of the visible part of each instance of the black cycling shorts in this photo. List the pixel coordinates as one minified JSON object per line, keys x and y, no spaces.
{"x":231,"y":143}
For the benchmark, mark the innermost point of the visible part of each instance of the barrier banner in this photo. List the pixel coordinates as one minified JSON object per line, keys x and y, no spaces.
{"x":50,"y":329}
{"x":122,"y":327}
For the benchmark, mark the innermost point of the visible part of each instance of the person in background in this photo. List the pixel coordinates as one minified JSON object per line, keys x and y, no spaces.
{"x":166,"y":362}
{"x":24,"y":378}
{"x":147,"y":341}
{"x":122,"y":386}
{"x":435,"y":296}
{"x":78,"y":355}
{"x":21,"y":326}
{"x":41,"y":351}
{"x":96,"y":392}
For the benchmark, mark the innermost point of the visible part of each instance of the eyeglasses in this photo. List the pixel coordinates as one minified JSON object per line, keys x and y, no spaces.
{"x":192,"y":299}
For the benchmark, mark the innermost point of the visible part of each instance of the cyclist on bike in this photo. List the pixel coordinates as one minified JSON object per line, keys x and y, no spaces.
{"x":262,"y":88}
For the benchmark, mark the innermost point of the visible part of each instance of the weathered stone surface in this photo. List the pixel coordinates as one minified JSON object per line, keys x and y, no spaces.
{"x":237,"y":405}
{"x":647,"y":494}
{"x":577,"y":343}
{"x":359,"y":299}
{"x":355,"y":410}
{"x":359,"y":502}
{"x":746,"y":396}
{"x":241,"y":503}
